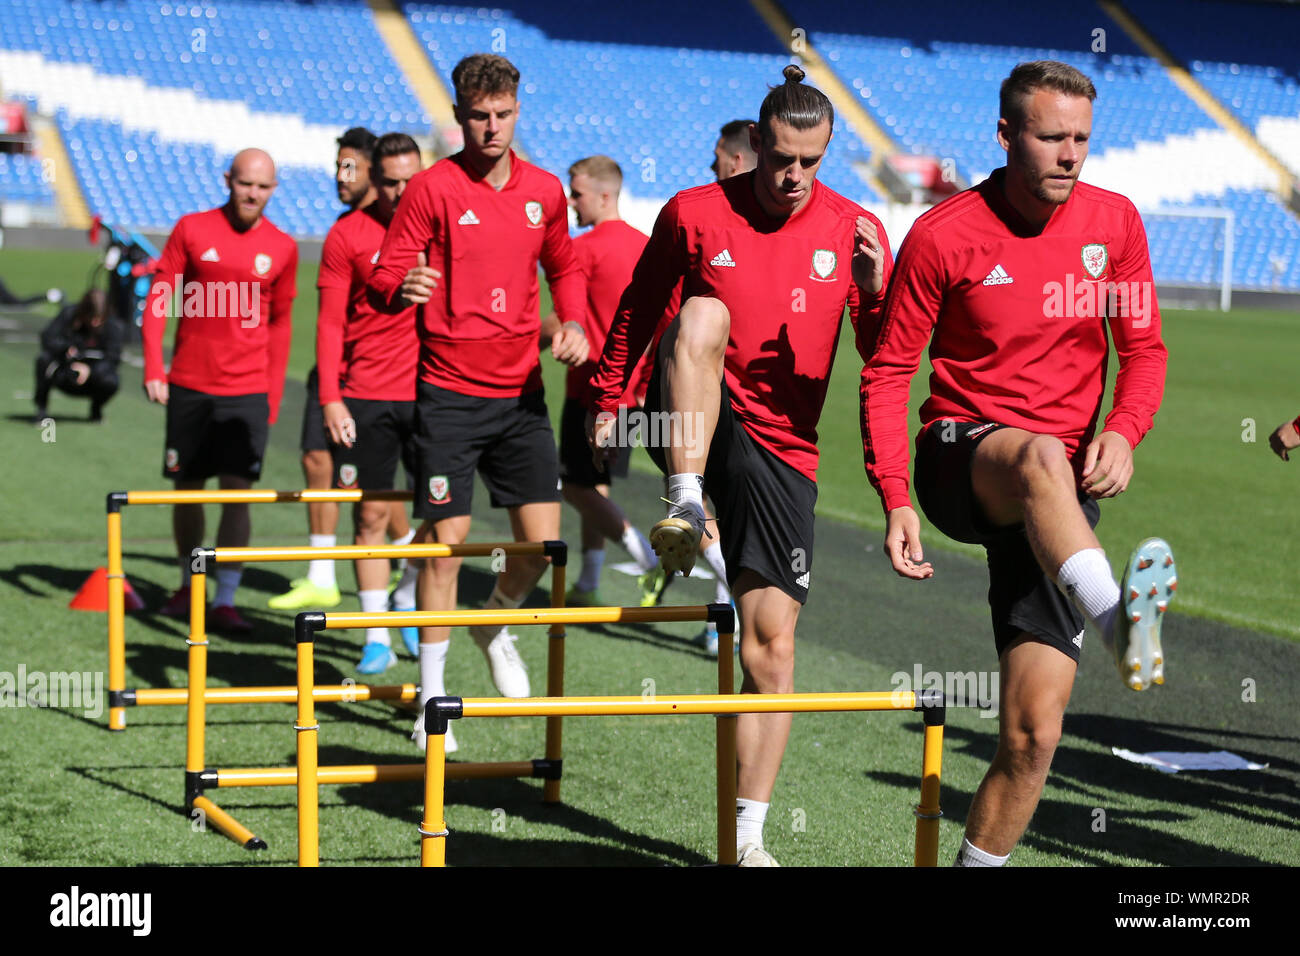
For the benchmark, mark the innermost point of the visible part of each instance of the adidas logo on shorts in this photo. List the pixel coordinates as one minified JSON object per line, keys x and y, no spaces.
{"x":802,"y":580}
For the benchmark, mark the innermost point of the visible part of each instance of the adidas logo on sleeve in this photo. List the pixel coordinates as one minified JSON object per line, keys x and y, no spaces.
{"x":723,"y":258}
{"x":998,"y":277}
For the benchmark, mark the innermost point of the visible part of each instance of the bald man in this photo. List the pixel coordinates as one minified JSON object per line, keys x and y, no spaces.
{"x":227,"y":276}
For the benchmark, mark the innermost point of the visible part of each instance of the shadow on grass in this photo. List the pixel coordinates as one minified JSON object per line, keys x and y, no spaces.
{"x":1100,"y":780}
{"x":509,"y":801}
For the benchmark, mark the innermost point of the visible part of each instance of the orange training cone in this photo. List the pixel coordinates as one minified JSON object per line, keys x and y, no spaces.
{"x":93,"y":594}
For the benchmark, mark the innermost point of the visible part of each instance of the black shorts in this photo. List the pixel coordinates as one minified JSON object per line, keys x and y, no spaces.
{"x":509,"y":442}
{"x":764,"y":507}
{"x":576,"y":467}
{"x":1022,"y":597}
{"x":313,"y":419}
{"x":210,"y":435}
{"x":385,"y":434}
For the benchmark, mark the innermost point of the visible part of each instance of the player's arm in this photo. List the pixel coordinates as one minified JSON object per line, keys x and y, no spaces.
{"x":658,"y":273}
{"x":568,"y":285}
{"x":1140,"y":383}
{"x":334,"y":282}
{"x":402,"y":276}
{"x":171,"y":265}
{"x":280,"y":331}
{"x":1284,"y":438}
{"x":913,"y":298}
{"x":550,"y":325}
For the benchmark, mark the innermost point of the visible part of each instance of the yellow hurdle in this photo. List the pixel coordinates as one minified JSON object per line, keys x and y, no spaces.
{"x":196,"y":695}
{"x":433,"y":827}
{"x":441,"y":710}
{"x":119,"y":697}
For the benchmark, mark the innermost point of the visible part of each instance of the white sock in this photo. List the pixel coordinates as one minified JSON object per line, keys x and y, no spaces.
{"x":403,"y":539}
{"x":687,"y":490}
{"x":750,"y":815}
{"x":592,"y":562}
{"x":321,"y":571}
{"x":433,"y":660}
{"x":713,"y":555}
{"x":1086,"y":580}
{"x":638,"y":545}
{"x":227,"y":581}
{"x":185,"y":560}
{"x":971,"y":855}
{"x":371,"y":601}
{"x":404,"y":593}
{"x":483,"y":633}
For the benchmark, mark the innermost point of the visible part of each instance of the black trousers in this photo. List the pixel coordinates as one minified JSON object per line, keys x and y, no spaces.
{"x":57,"y":372}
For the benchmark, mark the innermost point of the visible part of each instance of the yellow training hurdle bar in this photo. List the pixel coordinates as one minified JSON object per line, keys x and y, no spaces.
{"x":197,"y":694}
{"x":119,"y":697}
{"x":440,"y":710}
{"x":308,"y":774}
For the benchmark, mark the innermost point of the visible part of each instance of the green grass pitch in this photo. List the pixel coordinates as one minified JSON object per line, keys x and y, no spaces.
{"x":638,"y":791}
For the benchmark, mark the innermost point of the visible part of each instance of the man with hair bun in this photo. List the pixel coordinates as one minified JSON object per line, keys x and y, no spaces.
{"x":464,"y":247}
{"x":767,"y":261}
{"x":1008,"y":456}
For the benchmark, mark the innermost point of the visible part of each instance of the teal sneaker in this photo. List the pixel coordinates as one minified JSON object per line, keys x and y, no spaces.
{"x":410,"y":635}
{"x":708,"y":639}
{"x":1146,"y":588}
{"x":376,"y":658}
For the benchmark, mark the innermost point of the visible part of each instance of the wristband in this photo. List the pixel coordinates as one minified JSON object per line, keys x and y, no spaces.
{"x":1296,"y":425}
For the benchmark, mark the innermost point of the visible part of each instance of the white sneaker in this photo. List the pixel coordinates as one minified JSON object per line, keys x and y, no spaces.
{"x":752,"y":854}
{"x":420,"y":738}
{"x":508,"y":671}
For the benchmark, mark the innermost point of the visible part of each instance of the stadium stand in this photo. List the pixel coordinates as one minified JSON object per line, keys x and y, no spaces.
{"x":152,"y":98}
{"x":1244,"y":54}
{"x":930,"y":75}
{"x":21,"y":180}
{"x":186,"y":85}
{"x":660,"y":99}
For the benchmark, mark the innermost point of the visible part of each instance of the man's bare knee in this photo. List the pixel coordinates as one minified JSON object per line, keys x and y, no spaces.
{"x":1030,"y":742}
{"x":703,"y":328}
{"x":1042,"y":459}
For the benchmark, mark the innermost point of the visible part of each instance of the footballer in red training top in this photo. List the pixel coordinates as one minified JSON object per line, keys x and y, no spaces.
{"x":767,"y":262}
{"x":229,"y":277}
{"x":465,"y":245}
{"x":1019,"y":285}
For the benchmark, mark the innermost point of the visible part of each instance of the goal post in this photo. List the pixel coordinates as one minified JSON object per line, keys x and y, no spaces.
{"x":1182,"y":224}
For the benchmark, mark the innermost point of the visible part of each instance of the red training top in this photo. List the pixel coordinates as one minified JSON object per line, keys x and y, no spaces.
{"x":233,"y":333}
{"x":478,"y":332}
{"x":1019,"y":319}
{"x":785,"y":284}
{"x":607,"y":255}
{"x":373,"y":353}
